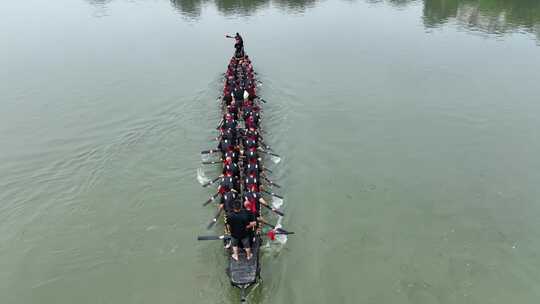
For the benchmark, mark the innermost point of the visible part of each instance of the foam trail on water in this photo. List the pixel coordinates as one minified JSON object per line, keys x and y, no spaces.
{"x":201,"y":177}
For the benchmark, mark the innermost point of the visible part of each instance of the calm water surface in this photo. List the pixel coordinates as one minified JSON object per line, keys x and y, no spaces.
{"x":409,"y":132}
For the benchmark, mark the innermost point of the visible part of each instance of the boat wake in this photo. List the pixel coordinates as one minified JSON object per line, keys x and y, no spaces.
{"x":201,"y":177}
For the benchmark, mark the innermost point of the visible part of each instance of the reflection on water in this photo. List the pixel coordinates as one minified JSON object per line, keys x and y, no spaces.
{"x":490,"y":16}
{"x":192,"y":8}
{"x":101,"y":7}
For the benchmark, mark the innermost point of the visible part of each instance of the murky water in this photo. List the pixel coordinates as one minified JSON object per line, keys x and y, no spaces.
{"x":408,"y":132}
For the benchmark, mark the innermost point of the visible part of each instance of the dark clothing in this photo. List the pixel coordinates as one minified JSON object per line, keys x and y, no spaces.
{"x":228,"y":183}
{"x":245,"y":242}
{"x":251,"y":180}
{"x":229,"y":134}
{"x":233,"y":155}
{"x":227,"y":200}
{"x":238,"y":221}
{"x":233,"y":110}
{"x":229,"y":124}
{"x":239,"y":46}
{"x":251,"y":154}
{"x":228,"y":99}
{"x":239,"y":41}
{"x":225,"y":145}
{"x":238,"y":94}
{"x":254,"y":202}
{"x":250,"y":143}
{"x":233,"y":168}
{"x":252,"y":168}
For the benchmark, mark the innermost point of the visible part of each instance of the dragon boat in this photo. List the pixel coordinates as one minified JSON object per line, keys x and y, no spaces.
{"x":241,"y":153}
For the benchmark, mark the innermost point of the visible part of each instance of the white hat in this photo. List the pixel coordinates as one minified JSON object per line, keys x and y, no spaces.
{"x":246,"y":94}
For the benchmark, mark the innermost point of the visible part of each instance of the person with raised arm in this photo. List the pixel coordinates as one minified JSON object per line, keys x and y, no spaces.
{"x":238,"y":45}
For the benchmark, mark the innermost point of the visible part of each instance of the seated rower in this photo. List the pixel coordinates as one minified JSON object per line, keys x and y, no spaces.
{"x":252,"y":121}
{"x":241,"y":224}
{"x":251,"y":180}
{"x":233,"y":109}
{"x":228,"y":122}
{"x":226,"y":145}
{"x":232,"y":167}
{"x":253,"y":200}
{"x":233,"y":155}
{"x":227,"y":200}
{"x":250,"y":143}
{"x":227,"y":98}
{"x":228,"y":183}
{"x":238,"y":93}
{"x":228,"y":134}
{"x":252,"y":168}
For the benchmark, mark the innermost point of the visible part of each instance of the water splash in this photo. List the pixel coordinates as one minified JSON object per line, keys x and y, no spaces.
{"x":206,"y":157}
{"x":280,"y":238}
{"x":275,"y":159}
{"x":277,"y":202}
{"x":201,"y":177}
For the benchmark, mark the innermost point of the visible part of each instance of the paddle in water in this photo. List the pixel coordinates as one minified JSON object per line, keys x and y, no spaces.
{"x":270,"y":153}
{"x":214,"y":219}
{"x":272,"y":194}
{"x":211,"y":199}
{"x":209,"y":151}
{"x":212,"y":162}
{"x":212,"y":182}
{"x":213,"y":237}
{"x":280,"y":230}
{"x":274,"y":210}
{"x":271,"y":182}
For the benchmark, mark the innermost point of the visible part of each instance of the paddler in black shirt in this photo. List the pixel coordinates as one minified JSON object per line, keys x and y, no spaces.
{"x":227,"y":200}
{"x":253,"y":200}
{"x":241,"y":224}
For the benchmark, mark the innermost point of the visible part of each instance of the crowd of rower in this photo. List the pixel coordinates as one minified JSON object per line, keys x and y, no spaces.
{"x":240,"y":145}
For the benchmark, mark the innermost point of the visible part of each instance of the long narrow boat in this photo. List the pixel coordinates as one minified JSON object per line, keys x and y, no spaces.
{"x":241,"y":150}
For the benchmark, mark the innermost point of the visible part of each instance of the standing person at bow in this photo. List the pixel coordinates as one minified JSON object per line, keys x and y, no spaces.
{"x":238,"y":45}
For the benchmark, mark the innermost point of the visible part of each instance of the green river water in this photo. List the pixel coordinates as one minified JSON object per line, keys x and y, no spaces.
{"x":409,"y":135}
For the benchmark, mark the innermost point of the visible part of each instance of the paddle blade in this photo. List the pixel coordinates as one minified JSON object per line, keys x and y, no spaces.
{"x":275,"y":159}
{"x":214,"y":220}
{"x":211,"y":199}
{"x":210,"y":237}
{"x":212,"y":162}
{"x":212,"y":223}
{"x":210,"y":182}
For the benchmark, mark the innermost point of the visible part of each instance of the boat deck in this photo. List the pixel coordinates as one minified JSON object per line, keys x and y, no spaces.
{"x":243,"y":271}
